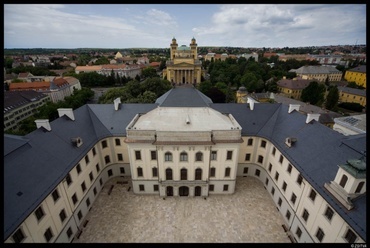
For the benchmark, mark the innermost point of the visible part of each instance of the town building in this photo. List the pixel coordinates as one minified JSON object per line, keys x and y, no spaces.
{"x":293,"y":87}
{"x":357,"y":75}
{"x":119,"y":70}
{"x":187,"y":146}
{"x":19,"y":105}
{"x":350,"y":125}
{"x":320,"y":73}
{"x":183,"y":67}
{"x":347,"y":94}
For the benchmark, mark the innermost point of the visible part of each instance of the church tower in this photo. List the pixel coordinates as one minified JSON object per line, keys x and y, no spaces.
{"x":174,"y":46}
{"x":193,"y":47}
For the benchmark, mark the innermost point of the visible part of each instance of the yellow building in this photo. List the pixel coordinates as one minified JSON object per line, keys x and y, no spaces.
{"x":320,"y":73}
{"x":293,"y":87}
{"x":183,"y":67}
{"x":357,"y":75}
{"x":347,"y":94}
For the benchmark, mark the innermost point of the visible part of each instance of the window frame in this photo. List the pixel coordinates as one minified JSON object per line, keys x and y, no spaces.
{"x":39,"y":213}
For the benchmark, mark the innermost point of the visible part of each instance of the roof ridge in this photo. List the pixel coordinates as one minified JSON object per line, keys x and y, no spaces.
{"x":274,"y":115}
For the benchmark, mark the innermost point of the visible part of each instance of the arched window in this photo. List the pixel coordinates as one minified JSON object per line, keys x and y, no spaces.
{"x":183,"y":156}
{"x":359,"y":187}
{"x":184,"y":174}
{"x":343,"y":181}
{"x":199,"y":156}
{"x":198,"y":174}
{"x":168,"y":156}
{"x":168,"y":174}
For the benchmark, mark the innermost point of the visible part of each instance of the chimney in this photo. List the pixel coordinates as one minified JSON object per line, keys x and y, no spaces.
{"x":43,"y":123}
{"x":187,"y":120}
{"x":290,"y":141}
{"x":117,"y":102}
{"x":66,"y":111}
{"x":311,"y":117}
{"x":293,"y":107}
{"x":251,"y":102}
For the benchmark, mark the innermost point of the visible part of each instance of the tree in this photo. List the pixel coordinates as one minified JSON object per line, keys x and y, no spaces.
{"x":102,"y":61}
{"x":216,"y":95}
{"x":313,"y":93}
{"x":149,"y":72}
{"x":332,"y":98}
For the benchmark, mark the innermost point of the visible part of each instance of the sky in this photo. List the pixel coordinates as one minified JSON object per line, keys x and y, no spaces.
{"x":154,"y":25}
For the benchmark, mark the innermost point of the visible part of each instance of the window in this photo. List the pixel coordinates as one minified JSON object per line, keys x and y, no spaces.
{"x":87,"y":160}
{"x":263,"y":143}
{"x":281,"y":159}
{"x":138,"y":155}
{"x":120,"y":157}
{"x":280,"y":201}
{"x":299,"y":179}
{"x":359,"y":187}
{"x":273,"y":151}
{"x":320,"y":234}
{"x":276,"y":176}
{"x":226,"y":187}
{"x":199,"y":156}
{"x":153,"y":155}
{"x":78,"y":169}
{"x":329,"y":213}
{"x":250,"y":142}
{"x":74,"y":199}
{"x":141,"y":187}
{"x":284,"y":186}
{"x":312,"y":195}
{"x":213,"y":172}
{"x":289,"y":170}
{"x":83,"y":187}
{"x":95,"y":192}
{"x":168,"y":174}
{"x":104,"y":144}
{"x":55,"y":195}
{"x":118,"y":142}
{"x":94,"y":151}
{"x":267,"y":181}
{"x":272,"y":191}
{"x":257,"y":172}
{"x":88,"y":202}
{"x":183,"y":156}
{"x":69,"y":232}
{"x":211,"y":188}
{"x":184,"y":174}
{"x":198,"y":174}
{"x":139,"y":172}
{"x":245,"y":170}
{"x":298,"y":232}
{"x":79,"y":215}
{"x":229,"y":155}
{"x":39,"y":213}
{"x":168,"y":156}
{"x":270,"y":167}
{"x":260,"y":159}
{"x":350,"y":236}
{"x":107,"y":159}
{"x":214,"y":155}
{"x":305,"y":214}
{"x":343,"y":181}
{"x":247,"y":157}
{"x":48,"y":235}
{"x":97,"y":168}
{"x":293,"y":198}
{"x":155,"y":187}
{"x":287,"y":215}
{"x":101,"y":181}
{"x":91,"y":176}
{"x":18,"y":236}
{"x":227,"y":172}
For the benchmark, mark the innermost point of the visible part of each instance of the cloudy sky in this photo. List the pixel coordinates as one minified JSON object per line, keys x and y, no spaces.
{"x":154,"y":25}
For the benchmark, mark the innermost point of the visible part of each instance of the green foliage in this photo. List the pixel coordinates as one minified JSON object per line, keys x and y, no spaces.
{"x":314,"y":93}
{"x":149,"y":72}
{"x":8,"y":62}
{"x":332,"y":98}
{"x":36,"y":71}
{"x":354,"y":85}
{"x":102,"y":61}
{"x":92,"y":79}
{"x":351,"y":106}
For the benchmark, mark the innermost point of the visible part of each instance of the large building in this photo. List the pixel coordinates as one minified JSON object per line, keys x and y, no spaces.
{"x":293,"y":87}
{"x":347,"y":94}
{"x":178,"y":147}
{"x":319,"y":73}
{"x":183,"y":67}
{"x":357,"y":75}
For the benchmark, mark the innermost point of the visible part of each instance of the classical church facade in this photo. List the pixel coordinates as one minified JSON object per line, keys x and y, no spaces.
{"x":183,"y":67}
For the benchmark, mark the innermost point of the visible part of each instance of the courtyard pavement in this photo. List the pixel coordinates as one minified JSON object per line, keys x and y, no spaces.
{"x":247,"y":216}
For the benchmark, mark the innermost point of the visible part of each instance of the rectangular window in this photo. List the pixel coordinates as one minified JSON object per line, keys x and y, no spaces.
{"x":273,"y":151}
{"x":87,"y":160}
{"x":281,"y":159}
{"x":272,"y":191}
{"x":287,"y":215}
{"x":88,"y":202}
{"x":97,"y":168}
{"x":62,"y":215}
{"x":305,"y":215}
{"x":229,"y":155}
{"x":350,"y":236}
{"x":250,"y":142}
{"x":312,"y":195}
{"x":153,"y":155}
{"x":267,"y":181}
{"x":280,"y":201}
{"x":320,"y":234}
{"x":94,"y":151}
{"x":257,"y":172}
{"x":107,"y":159}
{"x":74,"y":199}
{"x":227,"y":172}
{"x":48,"y":235}
{"x":298,"y":232}
{"x":247,"y":157}
{"x":213,"y":172}
{"x":155,"y":187}
{"x":120,"y":157}
{"x":289,"y":168}
{"x":78,"y":169}
{"x":155,"y":171}
{"x":101,"y":182}
{"x":104,"y":144}
{"x":18,"y":236}
{"x":214,"y":155}
{"x":226,"y":187}
{"x":284,"y":186}
{"x":260,"y":159}
{"x":329,"y":213}
{"x":55,"y":195}
{"x":276,"y":176}
{"x":138,"y":155}
{"x":39,"y":213}
{"x":211,"y":188}
{"x":83,"y":187}
{"x":118,"y":142}
{"x":270,"y":167}
{"x":122,"y":170}
{"x":69,"y":232}
{"x":79,"y":215}
{"x":245,"y":170}
{"x":95,"y":192}
{"x":141,"y":187}
{"x":299,"y":179}
{"x":139,"y":172}
{"x":91,"y":176}
{"x":110,"y":173}
{"x":263,"y":143}
{"x":293,"y":198}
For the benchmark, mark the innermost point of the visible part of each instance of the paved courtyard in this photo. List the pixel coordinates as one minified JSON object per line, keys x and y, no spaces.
{"x":249,"y":215}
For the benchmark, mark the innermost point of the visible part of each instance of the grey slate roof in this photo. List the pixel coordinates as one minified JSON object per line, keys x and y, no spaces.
{"x":15,"y":99}
{"x":361,"y":68}
{"x":353,"y":91}
{"x":311,"y":69}
{"x":316,"y":154}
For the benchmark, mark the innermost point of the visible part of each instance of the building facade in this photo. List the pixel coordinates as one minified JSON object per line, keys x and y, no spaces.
{"x":119,"y":70}
{"x":347,"y":94}
{"x":293,"y":87}
{"x":183,"y":67}
{"x":357,"y":75}
{"x":319,"y":73}
{"x":177,"y":147}
{"x":350,"y":125}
